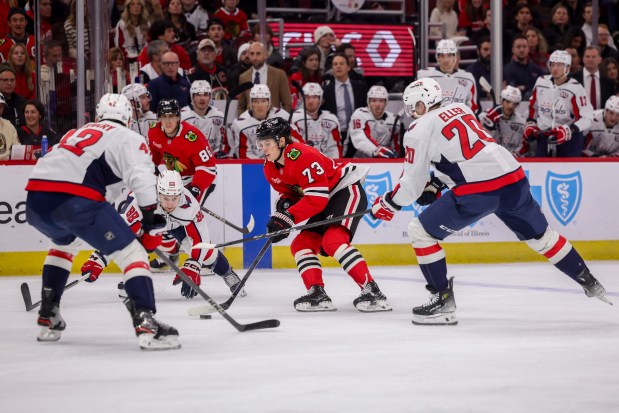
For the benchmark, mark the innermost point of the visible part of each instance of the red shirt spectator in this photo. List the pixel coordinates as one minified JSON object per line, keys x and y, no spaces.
{"x":233,"y":19}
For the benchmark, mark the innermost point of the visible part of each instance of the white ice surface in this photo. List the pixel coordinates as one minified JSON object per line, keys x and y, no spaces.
{"x":528,"y":340}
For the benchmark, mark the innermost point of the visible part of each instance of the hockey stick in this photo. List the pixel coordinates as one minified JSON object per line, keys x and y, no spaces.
{"x":245,"y":230}
{"x":205,"y":309}
{"x":206,"y":245}
{"x":240,"y":327}
{"x":25,"y":292}
{"x":488,"y":89}
{"x":300,"y":89}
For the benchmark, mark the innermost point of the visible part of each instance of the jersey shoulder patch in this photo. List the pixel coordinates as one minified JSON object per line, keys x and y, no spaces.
{"x":191,"y":136}
{"x":294,"y":154}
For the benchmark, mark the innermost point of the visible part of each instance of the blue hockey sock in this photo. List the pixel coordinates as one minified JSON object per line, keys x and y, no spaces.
{"x":435,"y":274}
{"x":221,"y":266}
{"x":55,"y":278}
{"x":140,"y":290}
{"x":572,"y":264}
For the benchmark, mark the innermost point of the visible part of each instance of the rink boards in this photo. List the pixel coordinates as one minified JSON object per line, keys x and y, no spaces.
{"x":578,"y":199}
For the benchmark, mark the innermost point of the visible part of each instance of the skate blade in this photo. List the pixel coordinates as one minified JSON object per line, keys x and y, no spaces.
{"x":308,"y":308}
{"x":47,"y":334}
{"x":373,"y":307}
{"x":604,"y":299}
{"x":148,"y":342}
{"x":445,"y":319}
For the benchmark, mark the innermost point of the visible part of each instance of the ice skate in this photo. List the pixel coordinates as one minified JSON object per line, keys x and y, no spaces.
{"x":592,"y":286}
{"x":232,"y":281}
{"x":371,"y":299}
{"x":316,"y":299}
{"x":121,"y":290}
{"x":440,"y":310}
{"x":158,"y":265}
{"x":50,"y":320}
{"x":152,"y":334}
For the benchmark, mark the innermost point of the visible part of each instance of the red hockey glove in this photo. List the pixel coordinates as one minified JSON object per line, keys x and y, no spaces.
{"x":491,"y":117}
{"x":191,"y":268}
{"x":153,"y":225}
{"x":383,"y":152}
{"x":384,"y":208}
{"x":531,"y":131}
{"x":278,"y":222}
{"x":432,"y":192}
{"x":561,"y":134}
{"x":94,"y":266}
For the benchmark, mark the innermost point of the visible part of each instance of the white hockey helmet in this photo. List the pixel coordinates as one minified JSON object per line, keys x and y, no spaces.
{"x":377,"y":92}
{"x":425,"y":90}
{"x":113,"y":106}
{"x":612,"y":104}
{"x":200,"y":86}
{"x":133,"y":91}
{"x":170,"y":183}
{"x":561,"y":56}
{"x":260,"y":92}
{"x":446,"y":46}
{"x":512,"y":94}
{"x":312,"y":89}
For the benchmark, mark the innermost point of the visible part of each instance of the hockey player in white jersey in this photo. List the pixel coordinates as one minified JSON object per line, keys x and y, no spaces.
{"x":67,"y":200}
{"x":504,"y":123}
{"x":484,"y":179}
{"x":603,"y":136}
{"x":458,"y":85}
{"x":143,"y":117}
{"x":205,"y":117}
{"x":323,"y":127}
{"x":559,"y":111}
{"x":185,"y":224}
{"x":371,"y":129}
{"x":243,"y":140}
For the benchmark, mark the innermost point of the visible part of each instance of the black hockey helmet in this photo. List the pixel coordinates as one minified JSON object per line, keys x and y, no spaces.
{"x":168,"y":107}
{"x":274,"y":128}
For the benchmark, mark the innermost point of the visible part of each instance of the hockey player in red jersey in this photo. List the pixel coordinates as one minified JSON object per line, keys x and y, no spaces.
{"x":66,"y":200}
{"x":484,"y":179}
{"x":316,"y":187}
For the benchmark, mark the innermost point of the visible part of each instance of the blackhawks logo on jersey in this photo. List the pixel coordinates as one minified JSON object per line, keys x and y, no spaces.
{"x":2,"y":41}
{"x":293,"y":154}
{"x":152,"y":124}
{"x":191,"y":136}
{"x":173,"y":164}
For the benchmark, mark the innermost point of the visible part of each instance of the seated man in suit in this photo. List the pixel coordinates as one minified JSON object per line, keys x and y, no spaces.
{"x":597,"y":86}
{"x":342,"y":96}
{"x":263,"y":74}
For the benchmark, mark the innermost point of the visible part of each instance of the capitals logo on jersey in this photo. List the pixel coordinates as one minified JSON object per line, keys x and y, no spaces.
{"x":563,"y":193}
{"x":375,"y":186}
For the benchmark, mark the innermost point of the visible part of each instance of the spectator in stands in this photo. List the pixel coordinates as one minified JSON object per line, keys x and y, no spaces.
{"x":234,"y":19}
{"x":308,"y":72}
{"x":132,"y":28}
{"x":170,"y":85}
{"x":118,"y":72}
{"x":197,"y":16}
{"x":264,"y":74}
{"x":348,"y":50}
{"x":185,"y":32}
{"x":243,"y":64}
{"x":576,"y":60}
{"x":70,"y":30}
{"x":24,"y":71}
{"x":444,"y":13}
{"x":153,"y":70}
{"x":575,"y":38}
{"x":484,"y":31}
{"x":17,"y":34}
{"x":472,"y":15}
{"x":342,"y":96}
{"x":610,"y":68}
{"x":326,"y":42}
{"x":45,"y":12}
{"x":5,"y":6}
{"x":164,"y":30}
{"x":155,"y":11}
{"x":521,"y":72}
{"x":538,"y":48}
{"x":207,"y":68}
{"x":226,"y":54}
{"x":575,"y":12}
{"x":8,"y":134}
{"x":481,"y":68}
{"x":604,"y":42}
{"x":52,"y":53}
{"x":274,"y":58}
{"x":13,"y":103}
{"x":33,"y":129}
{"x":597,"y":86}
{"x":557,"y":29}
{"x":523,"y":19}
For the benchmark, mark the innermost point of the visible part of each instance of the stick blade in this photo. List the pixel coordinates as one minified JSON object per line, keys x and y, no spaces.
{"x":204,"y":245}
{"x":25,"y":292}
{"x":485,"y":85}
{"x":250,"y":225}
{"x":260,"y":325}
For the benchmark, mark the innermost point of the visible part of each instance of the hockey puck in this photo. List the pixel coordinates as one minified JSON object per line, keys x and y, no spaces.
{"x":205,"y":316}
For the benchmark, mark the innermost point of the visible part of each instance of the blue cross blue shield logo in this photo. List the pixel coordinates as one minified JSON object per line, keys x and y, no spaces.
{"x":563,"y":193}
{"x":375,"y":186}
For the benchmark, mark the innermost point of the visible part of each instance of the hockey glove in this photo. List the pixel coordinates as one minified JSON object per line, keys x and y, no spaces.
{"x":153,"y":225}
{"x":491,"y":117}
{"x":195,"y":191}
{"x":432,"y":192}
{"x":383,"y":152}
{"x":561,"y":134}
{"x":94,"y":266}
{"x":278,"y":222}
{"x":191,"y":268}
{"x":531,"y":131}
{"x":283,"y":204}
{"x":384,"y":208}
